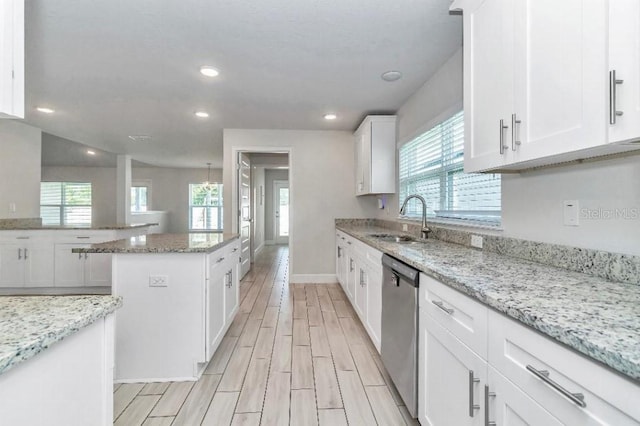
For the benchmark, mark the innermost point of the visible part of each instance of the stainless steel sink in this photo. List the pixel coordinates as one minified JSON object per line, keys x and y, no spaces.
{"x":391,"y":238}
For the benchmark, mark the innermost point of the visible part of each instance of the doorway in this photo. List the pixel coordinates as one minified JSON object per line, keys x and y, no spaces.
{"x":281,"y":211}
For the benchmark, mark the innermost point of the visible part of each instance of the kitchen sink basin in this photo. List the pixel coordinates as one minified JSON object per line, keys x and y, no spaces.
{"x":402,"y":239}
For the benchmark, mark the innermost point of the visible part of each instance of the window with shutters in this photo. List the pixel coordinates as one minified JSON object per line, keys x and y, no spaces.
{"x":65,"y":203}
{"x":431,"y":165}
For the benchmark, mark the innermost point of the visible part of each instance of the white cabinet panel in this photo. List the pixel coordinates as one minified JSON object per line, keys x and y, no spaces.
{"x":452,"y":390}
{"x":624,"y":59}
{"x":231,"y":291}
{"x":511,"y":406}
{"x":374,"y":305}
{"x":97,"y":270}
{"x":11,"y":265}
{"x":12,"y":54}
{"x":215,"y":311}
{"x":69,"y":267}
{"x":375,"y":153}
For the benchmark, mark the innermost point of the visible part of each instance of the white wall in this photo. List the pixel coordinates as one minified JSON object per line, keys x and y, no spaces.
{"x":20,"y":151}
{"x":321,"y":184}
{"x":269,"y":216}
{"x":438,"y":98}
{"x":103,"y":189}
{"x":532,"y":205}
{"x":532,"y":201}
{"x":170,"y":187}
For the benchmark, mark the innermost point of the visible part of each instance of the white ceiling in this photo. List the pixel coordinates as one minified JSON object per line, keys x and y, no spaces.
{"x":114,"y":68}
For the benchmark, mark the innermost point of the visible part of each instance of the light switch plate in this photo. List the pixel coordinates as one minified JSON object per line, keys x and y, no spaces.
{"x":405,"y":227}
{"x":570,"y":210}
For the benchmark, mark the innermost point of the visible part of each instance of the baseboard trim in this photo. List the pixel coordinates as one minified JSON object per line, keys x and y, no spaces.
{"x":313,"y":278}
{"x":269,"y":243}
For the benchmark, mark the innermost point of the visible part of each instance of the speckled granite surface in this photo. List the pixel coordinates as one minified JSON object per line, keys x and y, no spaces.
{"x":30,"y":324}
{"x":163,"y":243}
{"x":39,"y":227}
{"x":21,"y":223}
{"x":595,"y":316}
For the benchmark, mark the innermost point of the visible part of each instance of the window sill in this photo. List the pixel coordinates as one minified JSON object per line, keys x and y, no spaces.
{"x":453,"y":223}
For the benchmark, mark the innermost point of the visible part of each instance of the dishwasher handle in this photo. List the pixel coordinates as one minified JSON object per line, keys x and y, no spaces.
{"x":401,"y":270}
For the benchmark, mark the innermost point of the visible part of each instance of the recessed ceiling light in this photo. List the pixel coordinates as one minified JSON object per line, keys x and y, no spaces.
{"x":202,"y":114}
{"x":391,"y":76}
{"x":330,"y":116}
{"x":45,"y":110}
{"x":209,"y":71}
{"x":91,"y":152}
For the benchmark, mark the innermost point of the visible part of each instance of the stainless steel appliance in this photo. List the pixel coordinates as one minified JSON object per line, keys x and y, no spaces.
{"x":399,"y":348}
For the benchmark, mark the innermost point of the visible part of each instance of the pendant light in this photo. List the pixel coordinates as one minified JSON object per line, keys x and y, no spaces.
{"x":207,"y":185}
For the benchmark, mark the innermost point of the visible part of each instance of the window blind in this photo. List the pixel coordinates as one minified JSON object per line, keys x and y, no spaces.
{"x":431,"y":165}
{"x":65,"y":203}
{"x":205,"y":206}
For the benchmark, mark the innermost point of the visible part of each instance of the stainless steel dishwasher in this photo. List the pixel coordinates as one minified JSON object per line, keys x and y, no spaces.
{"x":399,"y":347}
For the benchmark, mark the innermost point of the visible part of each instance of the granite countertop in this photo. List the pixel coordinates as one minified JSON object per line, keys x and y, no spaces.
{"x":163,"y":243}
{"x":115,"y":227}
{"x":30,"y":324}
{"x":597,"y":317}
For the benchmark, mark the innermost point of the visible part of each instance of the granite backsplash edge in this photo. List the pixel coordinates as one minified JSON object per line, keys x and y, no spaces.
{"x":612,"y":266}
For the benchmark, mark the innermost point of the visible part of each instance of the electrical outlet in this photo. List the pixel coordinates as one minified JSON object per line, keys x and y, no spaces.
{"x":158,"y":281}
{"x":12,"y":207}
{"x":405,"y":227}
{"x":476,"y":241}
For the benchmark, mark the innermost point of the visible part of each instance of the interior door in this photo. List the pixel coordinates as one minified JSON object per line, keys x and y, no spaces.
{"x":281,"y":214}
{"x":244,"y":212}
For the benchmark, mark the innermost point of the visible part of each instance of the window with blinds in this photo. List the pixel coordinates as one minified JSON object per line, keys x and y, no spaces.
{"x":205,"y":207}
{"x":431,"y":165}
{"x":65,"y":203}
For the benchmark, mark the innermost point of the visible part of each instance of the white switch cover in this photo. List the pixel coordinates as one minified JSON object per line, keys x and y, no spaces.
{"x":405,"y":227}
{"x":476,"y":241}
{"x":158,"y":281}
{"x":571,"y":209}
{"x":12,"y":207}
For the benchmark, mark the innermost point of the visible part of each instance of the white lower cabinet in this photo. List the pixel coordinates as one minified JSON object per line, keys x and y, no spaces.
{"x":474,"y":362}
{"x":81,"y":269}
{"x":359,"y":271}
{"x":26,"y":264}
{"x":451,"y":378}
{"x":509,"y":405}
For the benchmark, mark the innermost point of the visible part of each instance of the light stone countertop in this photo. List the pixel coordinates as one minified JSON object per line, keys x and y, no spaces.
{"x":594,"y":316}
{"x":202,"y":242}
{"x":30,"y":324}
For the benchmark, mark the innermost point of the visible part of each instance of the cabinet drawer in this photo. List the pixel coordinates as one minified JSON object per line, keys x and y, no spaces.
{"x":609,"y":398}
{"x":462,"y":316}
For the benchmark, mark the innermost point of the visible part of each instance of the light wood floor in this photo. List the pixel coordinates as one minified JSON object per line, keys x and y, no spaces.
{"x":294,"y":355}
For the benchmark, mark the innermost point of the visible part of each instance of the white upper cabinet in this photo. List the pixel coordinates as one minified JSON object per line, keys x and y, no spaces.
{"x":536,"y":80}
{"x":375,"y":146}
{"x":624,"y":60}
{"x":12,"y":59}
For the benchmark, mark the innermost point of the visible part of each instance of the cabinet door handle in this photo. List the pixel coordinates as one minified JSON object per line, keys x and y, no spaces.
{"x":514,"y":132}
{"x":349,"y":242}
{"x":350,"y":265}
{"x":19,"y":254}
{"x":613,"y":85}
{"x":339,"y":252}
{"x":26,"y":254}
{"x":487,"y":394}
{"x":576,"y":398}
{"x":472,"y":381}
{"x":220,"y":260}
{"x":235,"y":249}
{"x":79,"y":256}
{"x":86,"y":256}
{"x":440,"y":305}
{"x":502,"y":129}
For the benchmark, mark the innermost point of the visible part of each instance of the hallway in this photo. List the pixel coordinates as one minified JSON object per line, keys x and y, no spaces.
{"x":295,"y":354}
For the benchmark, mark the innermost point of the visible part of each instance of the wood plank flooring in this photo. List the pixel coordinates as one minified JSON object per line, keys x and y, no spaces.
{"x":296,"y":354}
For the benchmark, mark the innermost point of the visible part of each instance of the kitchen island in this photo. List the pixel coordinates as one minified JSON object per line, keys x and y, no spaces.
{"x":56,"y":360}
{"x":180,"y":296}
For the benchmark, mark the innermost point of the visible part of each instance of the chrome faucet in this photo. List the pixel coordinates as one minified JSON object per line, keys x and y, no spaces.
{"x":425,"y":230}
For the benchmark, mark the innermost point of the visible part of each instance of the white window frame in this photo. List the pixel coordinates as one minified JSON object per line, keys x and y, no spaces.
{"x":219,"y":209}
{"x":63,"y":206}
{"x":440,"y":207}
{"x":143,"y":183}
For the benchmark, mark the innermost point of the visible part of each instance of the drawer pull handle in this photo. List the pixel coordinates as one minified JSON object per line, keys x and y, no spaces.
{"x":235,"y":249}
{"x":576,"y":398}
{"x":83,"y":238}
{"x":487,"y":394}
{"x":472,"y":381}
{"x":220,"y":260}
{"x":440,"y":305}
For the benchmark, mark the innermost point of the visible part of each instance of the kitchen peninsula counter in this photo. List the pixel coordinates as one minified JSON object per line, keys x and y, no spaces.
{"x":196,"y":242}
